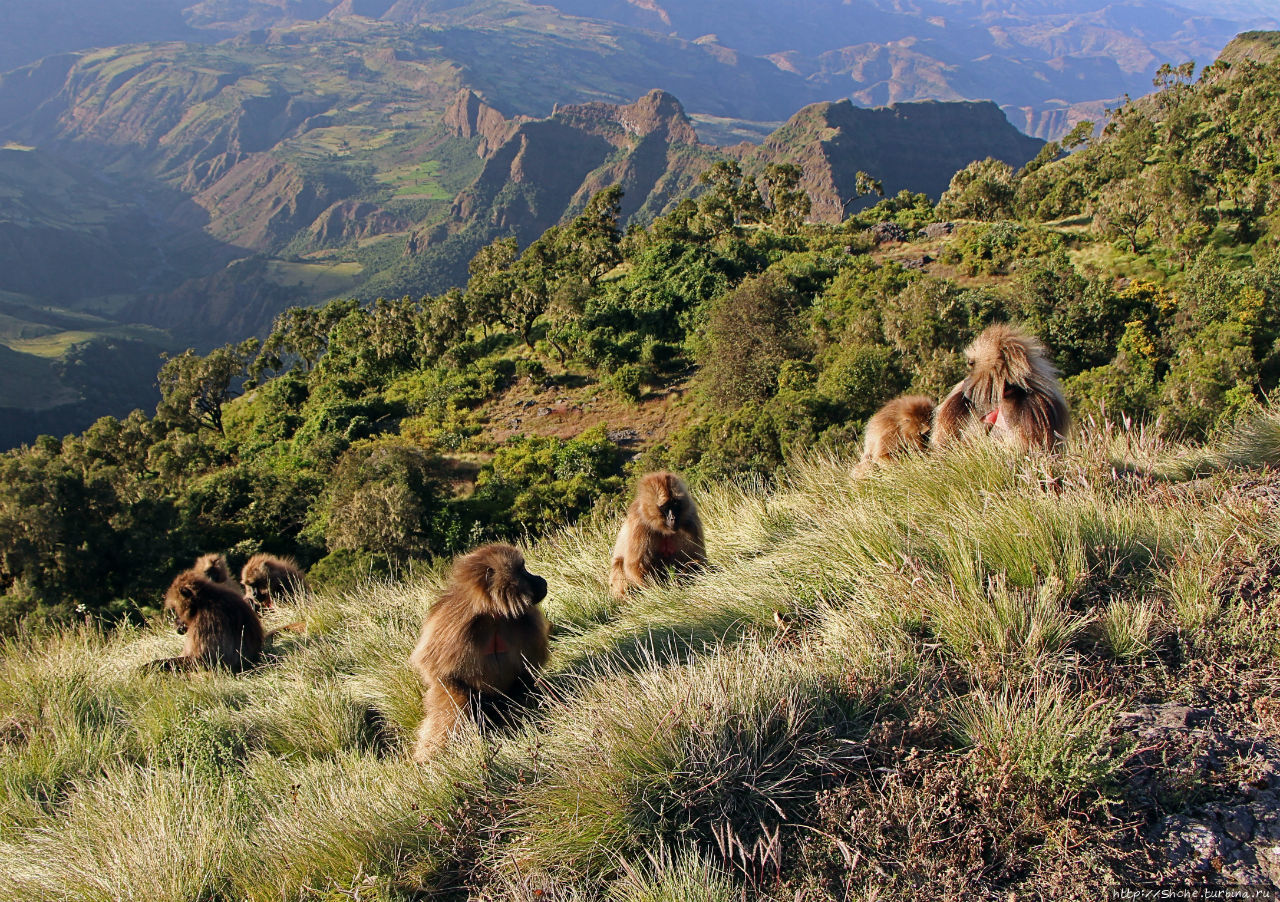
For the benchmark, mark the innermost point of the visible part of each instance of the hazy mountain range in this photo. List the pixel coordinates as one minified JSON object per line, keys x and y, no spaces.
{"x":1039,"y":59}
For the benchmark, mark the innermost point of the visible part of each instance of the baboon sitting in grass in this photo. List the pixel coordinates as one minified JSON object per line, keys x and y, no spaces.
{"x":219,"y":626}
{"x":900,"y":426}
{"x":1011,"y":392}
{"x":481,"y":643}
{"x":662,"y":533}
{"x":268,"y":578}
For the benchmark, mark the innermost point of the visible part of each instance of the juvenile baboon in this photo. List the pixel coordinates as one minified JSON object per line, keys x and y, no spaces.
{"x":213,"y":567}
{"x":662,"y":533}
{"x":1012,"y":391}
{"x":481,"y":642}
{"x":901,"y":425}
{"x":267,"y":578}
{"x":220,"y":628}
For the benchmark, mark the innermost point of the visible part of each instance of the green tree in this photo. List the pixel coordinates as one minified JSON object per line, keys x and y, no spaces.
{"x":300,"y":334}
{"x":1123,"y":210}
{"x":194,"y":388}
{"x":729,"y":199}
{"x":985,"y":189}
{"x":788,"y":199}
{"x":492,"y":281}
{"x":385,"y":498}
{"x":752,"y":331}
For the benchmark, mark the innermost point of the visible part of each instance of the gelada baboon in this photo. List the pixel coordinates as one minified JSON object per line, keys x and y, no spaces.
{"x":213,"y":567}
{"x":1011,"y":391}
{"x":267,"y":578}
{"x":899,"y":426}
{"x":220,"y":628}
{"x":662,"y":533}
{"x":481,"y":642}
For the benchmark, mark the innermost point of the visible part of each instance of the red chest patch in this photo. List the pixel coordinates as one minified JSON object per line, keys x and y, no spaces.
{"x":496,"y":646}
{"x":667,"y":546}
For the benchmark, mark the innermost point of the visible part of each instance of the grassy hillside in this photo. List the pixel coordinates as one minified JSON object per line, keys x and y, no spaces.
{"x":969,"y":675}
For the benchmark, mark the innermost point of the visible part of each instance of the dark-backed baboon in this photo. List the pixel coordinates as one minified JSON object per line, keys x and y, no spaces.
{"x":220,"y":628}
{"x":214,"y":567}
{"x":662,"y":533}
{"x":267,"y":578}
{"x":481,"y":642}
{"x":899,"y":426}
{"x":1012,"y":391}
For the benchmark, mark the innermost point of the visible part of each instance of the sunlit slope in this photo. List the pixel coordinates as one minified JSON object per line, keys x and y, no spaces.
{"x":869,"y":667}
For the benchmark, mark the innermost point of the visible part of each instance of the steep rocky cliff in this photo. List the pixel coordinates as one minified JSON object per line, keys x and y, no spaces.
{"x":917,"y":146}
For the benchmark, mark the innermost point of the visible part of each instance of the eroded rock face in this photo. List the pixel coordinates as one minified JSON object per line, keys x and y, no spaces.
{"x":471,"y":117}
{"x":1225,"y":785}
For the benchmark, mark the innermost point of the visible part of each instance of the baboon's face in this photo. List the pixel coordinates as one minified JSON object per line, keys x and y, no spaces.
{"x":671,"y":510}
{"x":174,"y":605}
{"x":665,"y":502}
{"x":257,"y":591}
{"x":510,"y":580}
{"x":533,"y":588}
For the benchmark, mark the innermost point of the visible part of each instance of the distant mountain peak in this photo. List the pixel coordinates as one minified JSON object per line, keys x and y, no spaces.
{"x":657,"y":112}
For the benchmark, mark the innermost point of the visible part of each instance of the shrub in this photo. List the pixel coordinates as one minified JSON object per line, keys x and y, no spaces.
{"x":386,"y":499}
{"x":752,"y":331}
{"x":535,"y":483}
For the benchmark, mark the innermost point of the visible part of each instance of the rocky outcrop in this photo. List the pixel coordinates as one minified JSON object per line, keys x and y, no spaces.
{"x":351,"y":220}
{"x":916,"y":146}
{"x":656,"y":113}
{"x":262,"y":202}
{"x":470,"y":117}
{"x":1230,"y":832}
{"x":1259,"y":46}
{"x":546,"y":169}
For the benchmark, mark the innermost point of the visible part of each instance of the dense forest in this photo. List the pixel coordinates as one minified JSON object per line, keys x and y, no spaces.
{"x":362,"y":437}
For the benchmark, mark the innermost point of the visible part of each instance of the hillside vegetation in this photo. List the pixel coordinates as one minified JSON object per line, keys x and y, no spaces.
{"x":720,"y":340}
{"x":203,"y":189}
{"x":971,"y":675}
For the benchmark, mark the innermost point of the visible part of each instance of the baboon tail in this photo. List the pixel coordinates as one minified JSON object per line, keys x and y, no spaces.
{"x":299,"y":627}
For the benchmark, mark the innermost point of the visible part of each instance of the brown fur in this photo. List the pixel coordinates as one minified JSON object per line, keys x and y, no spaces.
{"x":662,"y":533}
{"x":1011,"y":377}
{"x":220,"y":627}
{"x":481,"y":642}
{"x":213,"y":567}
{"x":268,"y":578}
{"x":900,"y":426}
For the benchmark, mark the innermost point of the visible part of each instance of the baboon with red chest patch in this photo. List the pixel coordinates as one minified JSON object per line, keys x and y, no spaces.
{"x":481,"y":643}
{"x":662,"y":534}
{"x":1011,"y":392}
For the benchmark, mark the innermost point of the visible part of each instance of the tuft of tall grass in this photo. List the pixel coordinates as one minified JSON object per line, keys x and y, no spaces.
{"x":1255,"y":440}
{"x":734,"y":741}
{"x":1130,"y":628}
{"x":131,"y":834}
{"x":665,"y":876}
{"x":318,"y":825}
{"x":1053,"y":737}
{"x":1189,"y":585}
{"x":1004,"y":634}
